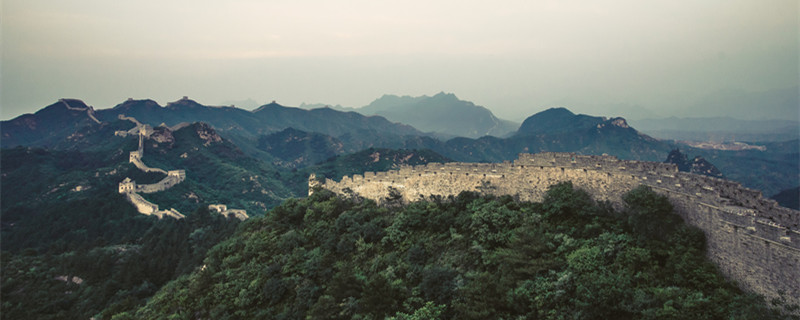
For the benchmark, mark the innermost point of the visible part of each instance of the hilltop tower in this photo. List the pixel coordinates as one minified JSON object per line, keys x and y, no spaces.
{"x":135,"y":156}
{"x":127,"y":186}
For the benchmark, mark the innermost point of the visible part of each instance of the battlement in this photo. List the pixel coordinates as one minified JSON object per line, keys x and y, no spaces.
{"x":744,"y":231}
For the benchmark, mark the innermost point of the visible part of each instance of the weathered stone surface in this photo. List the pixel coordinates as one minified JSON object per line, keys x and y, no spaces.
{"x":753,"y":240}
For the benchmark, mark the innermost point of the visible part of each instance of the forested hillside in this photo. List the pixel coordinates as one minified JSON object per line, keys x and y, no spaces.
{"x":467,"y":257}
{"x":101,"y":255}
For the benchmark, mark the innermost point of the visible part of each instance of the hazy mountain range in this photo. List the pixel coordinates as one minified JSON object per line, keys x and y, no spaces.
{"x":720,"y":129}
{"x":442,"y":115}
{"x":447,"y":116}
{"x":294,"y":138}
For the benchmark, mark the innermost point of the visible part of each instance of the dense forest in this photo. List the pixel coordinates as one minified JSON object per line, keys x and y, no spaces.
{"x":465,"y":257}
{"x":103,"y":267}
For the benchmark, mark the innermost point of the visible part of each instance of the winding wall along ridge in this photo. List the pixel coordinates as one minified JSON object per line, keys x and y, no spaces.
{"x":130,"y":188}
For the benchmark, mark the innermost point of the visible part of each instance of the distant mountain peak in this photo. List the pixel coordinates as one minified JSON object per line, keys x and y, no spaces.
{"x":184,"y":102}
{"x":74,"y":104}
{"x":620,"y":122}
{"x":443,"y":94}
{"x":269,"y":106}
{"x":558,"y":119}
{"x":131,"y":103}
{"x":442,"y":113}
{"x":561,"y":111}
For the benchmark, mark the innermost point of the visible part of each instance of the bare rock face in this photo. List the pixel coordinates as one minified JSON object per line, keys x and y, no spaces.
{"x":206,"y":133}
{"x":163,"y":135}
{"x":679,"y":159}
{"x":620,"y":122}
{"x":701,"y":166}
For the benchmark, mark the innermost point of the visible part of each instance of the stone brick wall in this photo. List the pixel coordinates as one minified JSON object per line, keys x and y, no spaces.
{"x":753,"y":240}
{"x":162,"y":185}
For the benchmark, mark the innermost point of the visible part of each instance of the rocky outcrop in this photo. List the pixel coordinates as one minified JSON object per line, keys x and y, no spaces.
{"x":698,"y":165}
{"x":207,"y":134}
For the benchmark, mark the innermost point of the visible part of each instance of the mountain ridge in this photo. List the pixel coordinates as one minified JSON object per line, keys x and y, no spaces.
{"x":555,"y":129}
{"x":442,"y":114}
{"x":269,"y":118}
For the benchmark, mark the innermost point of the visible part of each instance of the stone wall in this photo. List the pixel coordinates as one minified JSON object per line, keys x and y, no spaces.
{"x":136,"y":158}
{"x":149,"y":208}
{"x":130,"y":188}
{"x":162,"y":185}
{"x":753,"y":240}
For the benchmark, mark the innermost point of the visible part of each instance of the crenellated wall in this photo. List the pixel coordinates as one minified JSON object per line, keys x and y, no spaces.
{"x":753,"y":240}
{"x":130,"y":188}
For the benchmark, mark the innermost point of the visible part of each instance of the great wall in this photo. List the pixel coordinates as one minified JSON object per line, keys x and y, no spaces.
{"x":89,"y":110}
{"x":752,"y":240}
{"x":130,"y":189}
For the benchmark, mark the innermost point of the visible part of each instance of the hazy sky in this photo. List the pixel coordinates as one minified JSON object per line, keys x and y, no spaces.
{"x":631,"y":58}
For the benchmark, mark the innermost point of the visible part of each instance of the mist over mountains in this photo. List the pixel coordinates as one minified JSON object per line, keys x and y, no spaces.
{"x":294,"y":138}
{"x":720,"y":129}
{"x":446,"y":116}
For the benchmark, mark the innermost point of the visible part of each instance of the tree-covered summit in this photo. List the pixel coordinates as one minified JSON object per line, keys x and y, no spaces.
{"x":466,"y":257}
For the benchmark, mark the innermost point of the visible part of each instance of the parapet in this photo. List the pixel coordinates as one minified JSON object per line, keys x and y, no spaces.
{"x":715,"y":191}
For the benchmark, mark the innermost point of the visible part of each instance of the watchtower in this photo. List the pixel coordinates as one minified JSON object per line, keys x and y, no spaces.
{"x":127,"y":186}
